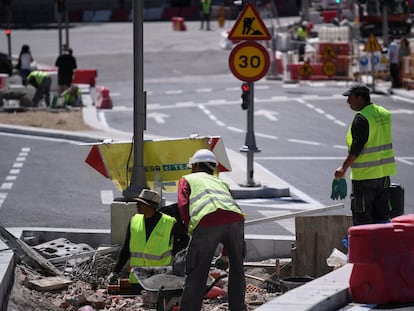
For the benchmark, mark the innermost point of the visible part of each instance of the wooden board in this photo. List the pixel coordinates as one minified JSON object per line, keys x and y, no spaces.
{"x":316,"y":237}
{"x":49,"y":283}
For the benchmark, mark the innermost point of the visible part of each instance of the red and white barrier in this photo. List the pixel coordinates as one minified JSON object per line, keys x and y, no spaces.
{"x":102,"y":98}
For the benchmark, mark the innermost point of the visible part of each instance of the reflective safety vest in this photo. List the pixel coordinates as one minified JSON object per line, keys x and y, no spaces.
{"x":208,"y":194}
{"x":206,"y":6}
{"x":38,"y":76}
{"x":155,"y":252}
{"x":377,"y":158}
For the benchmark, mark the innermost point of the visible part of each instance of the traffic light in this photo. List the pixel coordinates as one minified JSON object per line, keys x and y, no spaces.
{"x":338,"y":1}
{"x":8,"y":32}
{"x":245,"y":95}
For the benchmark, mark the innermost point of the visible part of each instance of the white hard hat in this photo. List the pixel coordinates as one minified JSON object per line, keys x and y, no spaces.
{"x":203,"y":156}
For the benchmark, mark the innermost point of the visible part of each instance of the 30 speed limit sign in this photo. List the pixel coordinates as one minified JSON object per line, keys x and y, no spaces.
{"x":249,"y":61}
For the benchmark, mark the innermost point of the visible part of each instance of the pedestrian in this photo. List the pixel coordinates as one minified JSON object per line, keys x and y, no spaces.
{"x":66,"y":64}
{"x":370,"y":157}
{"x":211,"y":216}
{"x":205,"y":11}
{"x":24,"y":63}
{"x":151,"y":240}
{"x":41,"y":81}
{"x":393,"y":63}
{"x":403,"y":52}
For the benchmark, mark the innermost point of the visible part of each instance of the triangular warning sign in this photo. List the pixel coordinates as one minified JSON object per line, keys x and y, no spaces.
{"x":372,"y":45}
{"x":329,"y":52}
{"x":306,"y":69}
{"x":249,"y":26}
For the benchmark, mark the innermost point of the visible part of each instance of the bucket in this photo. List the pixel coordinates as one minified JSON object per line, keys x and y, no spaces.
{"x":290,"y":283}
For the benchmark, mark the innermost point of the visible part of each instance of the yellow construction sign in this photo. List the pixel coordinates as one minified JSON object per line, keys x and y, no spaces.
{"x":249,"y":26}
{"x":165,"y":161}
{"x":306,"y":69}
{"x":372,"y":45}
{"x":329,"y":52}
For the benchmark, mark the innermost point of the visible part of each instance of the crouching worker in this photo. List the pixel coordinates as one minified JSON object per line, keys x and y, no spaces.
{"x":41,"y":81}
{"x":72,"y":96}
{"x":151,"y":240}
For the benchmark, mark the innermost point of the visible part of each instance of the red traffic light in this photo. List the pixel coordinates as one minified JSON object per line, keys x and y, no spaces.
{"x":245,"y":87}
{"x":8,"y":32}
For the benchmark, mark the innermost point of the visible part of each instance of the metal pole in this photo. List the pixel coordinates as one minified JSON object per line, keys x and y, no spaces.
{"x":385,"y":23}
{"x":67,"y":27}
{"x":138,"y":180}
{"x":250,"y":146}
{"x":60,"y":32}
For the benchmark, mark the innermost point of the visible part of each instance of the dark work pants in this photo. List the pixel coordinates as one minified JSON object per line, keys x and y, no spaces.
{"x":200,"y":254}
{"x":43,"y":90}
{"x":395,"y":76}
{"x":370,"y":201}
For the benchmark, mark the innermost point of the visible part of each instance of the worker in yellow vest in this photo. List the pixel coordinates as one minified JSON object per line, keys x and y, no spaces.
{"x":151,"y":240}
{"x":41,"y":81}
{"x":370,"y":157}
{"x":211,"y":216}
{"x":205,"y":10}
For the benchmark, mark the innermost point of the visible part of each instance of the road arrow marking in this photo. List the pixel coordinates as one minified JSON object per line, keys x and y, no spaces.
{"x":271,"y":115}
{"x":158,"y":117}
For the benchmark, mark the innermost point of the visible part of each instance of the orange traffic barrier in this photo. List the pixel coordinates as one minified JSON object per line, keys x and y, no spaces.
{"x":102,"y":98}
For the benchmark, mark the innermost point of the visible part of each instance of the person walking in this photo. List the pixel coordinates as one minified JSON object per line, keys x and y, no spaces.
{"x":403,"y":51}
{"x":151,"y":240}
{"x":205,"y":11}
{"x":393,"y":63}
{"x":41,"y":81}
{"x":24,"y":63}
{"x":211,"y":216}
{"x":66,"y":64}
{"x":370,"y":157}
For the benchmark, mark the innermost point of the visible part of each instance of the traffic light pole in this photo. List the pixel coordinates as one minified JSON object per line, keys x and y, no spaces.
{"x":138,"y":180}
{"x":250,"y":146}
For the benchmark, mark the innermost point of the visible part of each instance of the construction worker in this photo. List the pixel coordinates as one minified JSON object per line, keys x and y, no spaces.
{"x":211,"y":216}
{"x":301,"y":36}
{"x":151,"y":240}
{"x":370,"y":157}
{"x":205,"y":11}
{"x":41,"y":81}
{"x":72,"y":96}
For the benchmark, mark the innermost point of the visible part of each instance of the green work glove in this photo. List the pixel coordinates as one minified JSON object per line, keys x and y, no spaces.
{"x":112,"y":278}
{"x":342,"y":188}
{"x":334,"y":192}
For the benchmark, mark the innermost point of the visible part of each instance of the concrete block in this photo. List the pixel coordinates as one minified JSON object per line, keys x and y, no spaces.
{"x":121,"y":213}
{"x":261,"y":247}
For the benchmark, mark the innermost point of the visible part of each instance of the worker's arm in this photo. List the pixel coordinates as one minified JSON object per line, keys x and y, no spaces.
{"x":183,"y":201}
{"x":360,"y":132}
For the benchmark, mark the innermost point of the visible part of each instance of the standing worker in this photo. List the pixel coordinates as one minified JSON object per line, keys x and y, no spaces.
{"x":66,"y":64}
{"x":301,"y":37}
{"x":151,"y":240}
{"x":211,"y":216}
{"x":370,"y":157}
{"x":41,"y":81}
{"x":205,"y":11}
{"x":393,"y":63}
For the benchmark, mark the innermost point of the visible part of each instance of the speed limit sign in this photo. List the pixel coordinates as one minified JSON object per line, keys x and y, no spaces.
{"x":249,"y":61}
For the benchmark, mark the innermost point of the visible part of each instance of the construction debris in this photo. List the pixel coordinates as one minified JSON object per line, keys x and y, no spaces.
{"x":81,"y":283}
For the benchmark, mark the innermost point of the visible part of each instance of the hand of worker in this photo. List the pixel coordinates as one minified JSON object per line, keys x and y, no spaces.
{"x":222,"y":263}
{"x":112,"y":278}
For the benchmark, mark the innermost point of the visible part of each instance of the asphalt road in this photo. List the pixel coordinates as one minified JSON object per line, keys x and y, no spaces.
{"x":300,"y":128}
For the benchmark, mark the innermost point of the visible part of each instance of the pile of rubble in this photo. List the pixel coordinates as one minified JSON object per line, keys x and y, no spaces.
{"x":48,"y":280}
